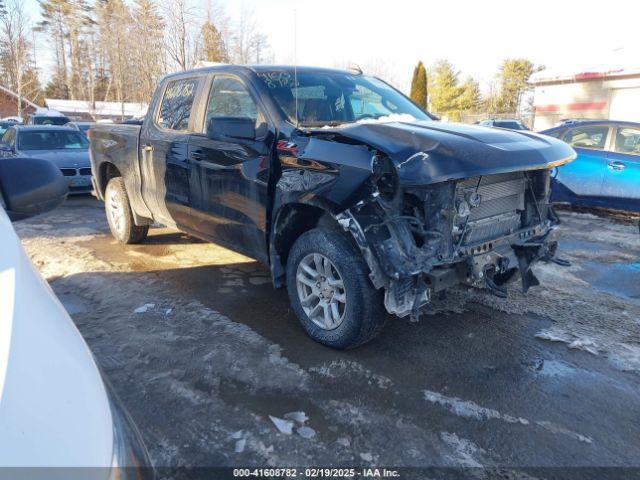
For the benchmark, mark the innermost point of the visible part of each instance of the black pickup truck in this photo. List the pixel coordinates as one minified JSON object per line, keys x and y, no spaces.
{"x":353,"y":196}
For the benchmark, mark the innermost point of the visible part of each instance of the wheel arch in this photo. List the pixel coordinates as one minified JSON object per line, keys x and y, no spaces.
{"x":106,"y":171}
{"x":291,"y":221}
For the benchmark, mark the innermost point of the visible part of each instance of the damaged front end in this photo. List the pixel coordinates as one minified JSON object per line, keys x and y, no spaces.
{"x":484,"y":231}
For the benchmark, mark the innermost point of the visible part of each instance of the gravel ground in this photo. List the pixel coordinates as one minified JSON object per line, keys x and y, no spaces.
{"x":204,"y":352}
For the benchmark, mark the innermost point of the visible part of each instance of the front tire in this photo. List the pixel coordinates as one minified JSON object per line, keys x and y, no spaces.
{"x":330,"y":292}
{"x":119,"y":215}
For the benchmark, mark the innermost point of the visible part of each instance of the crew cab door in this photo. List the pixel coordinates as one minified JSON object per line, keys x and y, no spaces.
{"x":164,"y":143}
{"x":622,"y":176}
{"x":585,"y":175}
{"x":230,"y":174}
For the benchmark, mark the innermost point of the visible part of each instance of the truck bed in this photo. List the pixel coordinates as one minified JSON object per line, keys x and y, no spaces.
{"x":114,"y":151}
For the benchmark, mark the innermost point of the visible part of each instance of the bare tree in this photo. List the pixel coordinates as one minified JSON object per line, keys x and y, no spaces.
{"x":181,"y":33}
{"x":147,"y":48}
{"x":14,"y":47}
{"x":53,"y":14}
{"x":249,"y":44}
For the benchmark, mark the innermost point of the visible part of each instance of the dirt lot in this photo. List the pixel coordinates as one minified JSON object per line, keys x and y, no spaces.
{"x":202,"y":350}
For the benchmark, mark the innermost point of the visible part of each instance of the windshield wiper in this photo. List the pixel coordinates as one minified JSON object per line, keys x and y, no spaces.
{"x":333,"y":123}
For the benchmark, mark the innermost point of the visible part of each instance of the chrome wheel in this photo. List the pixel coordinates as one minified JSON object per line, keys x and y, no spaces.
{"x":321,"y":291}
{"x":115,"y":212}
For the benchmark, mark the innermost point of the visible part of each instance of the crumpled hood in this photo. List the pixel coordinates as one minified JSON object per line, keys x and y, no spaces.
{"x":431,"y":152}
{"x":62,"y":158}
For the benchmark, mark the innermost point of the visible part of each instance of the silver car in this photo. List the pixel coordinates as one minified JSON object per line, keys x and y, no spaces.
{"x":66,"y":147}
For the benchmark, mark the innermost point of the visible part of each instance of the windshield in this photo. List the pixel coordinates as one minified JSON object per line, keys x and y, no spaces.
{"x":336,"y":98}
{"x":54,"y":120}
{"x":52,"y":141}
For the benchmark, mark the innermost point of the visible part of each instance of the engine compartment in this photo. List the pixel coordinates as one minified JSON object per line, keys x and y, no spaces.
{"x":480,"y":231}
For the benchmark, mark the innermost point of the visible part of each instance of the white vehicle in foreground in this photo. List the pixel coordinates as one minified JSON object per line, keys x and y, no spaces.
{"x":55,"y":409}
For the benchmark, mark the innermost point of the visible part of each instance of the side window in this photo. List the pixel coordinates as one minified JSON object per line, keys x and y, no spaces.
{"x":9,"y":136}
{"x":177,"y":101}
{"x":593,"y":137}
{"x":230,"y":98}
{"x":628,"y":141}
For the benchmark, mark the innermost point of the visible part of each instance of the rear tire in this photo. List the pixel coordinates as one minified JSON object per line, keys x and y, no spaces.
{"x":119,"y":215}
{"x":330,"y":292}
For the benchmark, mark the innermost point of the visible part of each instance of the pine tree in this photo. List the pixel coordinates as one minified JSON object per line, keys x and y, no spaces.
{"x":445,"y":90}
{"x":57,"y":88}
{"x":31,"y":88}
{"x":213,"y":47}
{"x":68,"y":21}
{"x":419,"y":85}
{"x":514,"y":77}
{"x":470,"y":99}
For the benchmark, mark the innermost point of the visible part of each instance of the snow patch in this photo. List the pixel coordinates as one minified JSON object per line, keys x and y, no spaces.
{"x":340,"y":368}
{"x":283,"y":426}
{"x":240,"y":444}
{"x":394,"y":117}
{"x":306,"y":432}
{"x":553,"y":428}
{"x":366,"y":456}
{"x":299,"y":417}
{"x":466,"y":451}
{"x":144,"y":308}
{"x":468,"y":409}
{"x":555,"y":335}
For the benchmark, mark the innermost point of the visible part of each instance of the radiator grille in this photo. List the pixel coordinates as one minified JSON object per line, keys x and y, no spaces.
{"x":502,"y":198}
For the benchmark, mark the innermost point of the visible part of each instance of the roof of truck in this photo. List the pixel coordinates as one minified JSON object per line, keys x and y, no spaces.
{"x":262,"y":68}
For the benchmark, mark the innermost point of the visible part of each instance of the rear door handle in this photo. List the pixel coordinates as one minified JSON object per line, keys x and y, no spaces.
{"x":617,"y":166}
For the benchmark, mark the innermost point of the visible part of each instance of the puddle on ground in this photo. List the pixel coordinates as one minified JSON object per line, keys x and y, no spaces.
{"x":619,"y":279}
{"x":555,"y":368}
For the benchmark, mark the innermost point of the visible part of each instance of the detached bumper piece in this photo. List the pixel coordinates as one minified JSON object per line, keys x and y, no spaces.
{"x":483,"y":231}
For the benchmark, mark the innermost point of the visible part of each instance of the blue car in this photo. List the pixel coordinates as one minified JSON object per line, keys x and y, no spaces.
{"x":66,"y":147}
{"x":607,"y":170}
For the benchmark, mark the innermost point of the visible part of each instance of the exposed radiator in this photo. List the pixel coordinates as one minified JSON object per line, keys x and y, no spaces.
{"x":502,"y":198}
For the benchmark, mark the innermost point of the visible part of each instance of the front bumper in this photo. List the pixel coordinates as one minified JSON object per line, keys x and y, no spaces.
{"x":410,"y":279}
{"x":80,"y":179}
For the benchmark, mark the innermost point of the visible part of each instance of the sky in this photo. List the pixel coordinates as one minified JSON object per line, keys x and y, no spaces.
{"x":389,"y":37}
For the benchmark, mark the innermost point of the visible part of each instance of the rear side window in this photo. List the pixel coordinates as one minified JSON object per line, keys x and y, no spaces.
{"x":176,"y":105}
{"x":592,"y":137}
{"x":628,"y":141}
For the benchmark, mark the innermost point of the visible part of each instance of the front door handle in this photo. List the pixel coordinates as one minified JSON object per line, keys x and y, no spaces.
{"x":197,"y":156}
{"x":617,"y":166}
{"x":147,"y":148}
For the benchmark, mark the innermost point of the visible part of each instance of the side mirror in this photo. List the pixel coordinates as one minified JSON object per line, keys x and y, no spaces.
{"x":31,"y":186}
{"x":225,"y":128}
